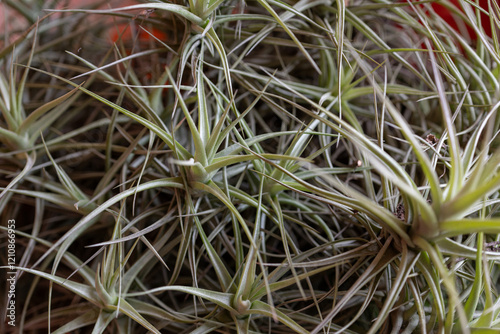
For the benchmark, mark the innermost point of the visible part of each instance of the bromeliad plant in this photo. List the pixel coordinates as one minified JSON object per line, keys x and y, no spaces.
{"x":297,"y":166}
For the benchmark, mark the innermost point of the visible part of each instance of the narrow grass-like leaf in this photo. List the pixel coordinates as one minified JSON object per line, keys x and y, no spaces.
{"x":222,"y":299}
{"x":456,"y":170}
{"x":66,"y":181}
{"x":30,"y":162}
{"x":9,"y":48}
{"x":39,"y":112}
{"x":177,"y":9}
{"x":132,"y":313}
{"x":103,"y":321}
{"x":86,"y":319}
{"x":271,"y":11}
{"x":86,"y":292}
{"x":259,"y":307}
{"x":203,"y":112}
{"x":452,"y":228}
{"x":473,"y":300}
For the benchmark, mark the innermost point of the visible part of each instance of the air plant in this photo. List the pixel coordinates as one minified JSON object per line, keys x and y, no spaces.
{"x":254,"y":167}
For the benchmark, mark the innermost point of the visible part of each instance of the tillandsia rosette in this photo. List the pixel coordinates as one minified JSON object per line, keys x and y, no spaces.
{"x":236,"y":166}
